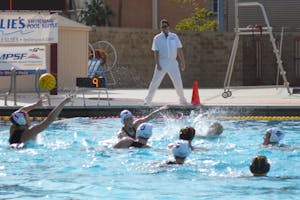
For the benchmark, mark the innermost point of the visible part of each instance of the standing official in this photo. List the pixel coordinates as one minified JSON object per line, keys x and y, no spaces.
{"x":167,"y":46}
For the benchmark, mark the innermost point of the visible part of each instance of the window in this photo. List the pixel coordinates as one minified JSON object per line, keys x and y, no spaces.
{"x":215,"y":6}
{"x":33,"y":4}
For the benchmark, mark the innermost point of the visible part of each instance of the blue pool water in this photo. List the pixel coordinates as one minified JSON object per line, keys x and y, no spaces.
{"x":73,"y":159}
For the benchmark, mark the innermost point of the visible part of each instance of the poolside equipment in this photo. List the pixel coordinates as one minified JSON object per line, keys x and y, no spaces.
{"x":47,"y":82}
{"x":102,"y":59}
{"x":251,"y":30}
{"x":195,"y":96}
{"x":13,"y":84}
{"x":107,"y":54}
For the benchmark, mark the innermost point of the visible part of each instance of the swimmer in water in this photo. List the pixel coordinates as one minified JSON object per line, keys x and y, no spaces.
{"x":214,"y":130}
{"x":259,"y":166}
{"x":21,"y":130}
{"x":181,"y":150}
{"x":188,"y":134}
{"x":272,"y":137}
{"x":130,"y":125}
{"x":144,"y":132}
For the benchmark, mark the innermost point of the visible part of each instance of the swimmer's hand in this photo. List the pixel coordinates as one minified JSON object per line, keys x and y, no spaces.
{"x":165,"y":107}
{"x":39,"y":102}
{"x":68,"y":99}
{"x":17,"y":145}
{"x":44,"y":98}
{"x":170,"y":146}
{"x":71,"y":96}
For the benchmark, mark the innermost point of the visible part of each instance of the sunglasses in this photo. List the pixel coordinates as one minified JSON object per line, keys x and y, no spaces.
{"x":166,"y":26}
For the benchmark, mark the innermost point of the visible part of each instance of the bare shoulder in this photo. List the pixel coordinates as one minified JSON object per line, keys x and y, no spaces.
{"x":124,"y":143}
{"x":121,"y":134}
{"x":28,"y":135}
{"x":138,"y":122}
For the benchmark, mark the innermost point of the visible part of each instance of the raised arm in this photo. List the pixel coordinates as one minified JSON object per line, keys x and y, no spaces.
{"x":150,"y":116}
{"x":124,"y":143}
{"x":29,"y":107}
{"x":34,"y":130}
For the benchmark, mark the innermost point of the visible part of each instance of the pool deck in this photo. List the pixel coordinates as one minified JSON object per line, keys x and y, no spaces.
{"x":268,"y":101}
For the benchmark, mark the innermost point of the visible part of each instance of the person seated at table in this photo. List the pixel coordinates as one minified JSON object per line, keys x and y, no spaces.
{"x":181,"y":150}
{"x":259,"y":166}
{"x":130,"y":125}
{"x":273,"y":136}
{"x":144,"y":132}
{"x":21,"y":130}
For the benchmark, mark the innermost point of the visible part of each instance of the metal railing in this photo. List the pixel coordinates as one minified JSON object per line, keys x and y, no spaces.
{"x":251,"y":31}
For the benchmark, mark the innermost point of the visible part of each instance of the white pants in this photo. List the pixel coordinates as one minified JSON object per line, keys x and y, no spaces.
{"x":170,"y":67}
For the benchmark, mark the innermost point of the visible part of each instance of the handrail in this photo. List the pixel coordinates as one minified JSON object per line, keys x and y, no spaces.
{"x":247,"y":31}
{"x":36,"y":82}
{"x":14,"y":84}
{"x":247,"y":4}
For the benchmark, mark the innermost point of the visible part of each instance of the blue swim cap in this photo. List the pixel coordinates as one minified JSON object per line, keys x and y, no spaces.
{"x":144,"y":130}
{"x":19,"y":118}
{"x":275,"y":135}
{"x":181,"y":149}
{"x":124,"y":115}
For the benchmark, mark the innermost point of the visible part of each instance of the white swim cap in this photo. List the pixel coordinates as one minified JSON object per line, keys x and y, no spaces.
{"x":125,"y":114}
{"x":19,"y":118}
{"x":181,"y":149}
{"x":275,"y":135}
{"x":144,"y":130}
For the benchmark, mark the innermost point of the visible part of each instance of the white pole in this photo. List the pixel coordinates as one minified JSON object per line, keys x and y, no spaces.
{"x":236,"y":15}
{"x":154,"y":14}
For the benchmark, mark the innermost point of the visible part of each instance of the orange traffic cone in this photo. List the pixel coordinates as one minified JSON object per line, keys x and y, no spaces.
{"x":195,"y":95}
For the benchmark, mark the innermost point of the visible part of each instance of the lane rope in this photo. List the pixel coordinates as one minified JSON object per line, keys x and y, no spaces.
{"x":258,"y":118}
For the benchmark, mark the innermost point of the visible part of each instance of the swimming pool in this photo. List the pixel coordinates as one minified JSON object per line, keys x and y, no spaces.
{"x":73,"y":159}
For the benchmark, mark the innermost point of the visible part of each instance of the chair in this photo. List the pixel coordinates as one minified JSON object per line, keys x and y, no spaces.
{"x":96,"y":79}
{"x":106,"y":52}
{"x":102,"y":59}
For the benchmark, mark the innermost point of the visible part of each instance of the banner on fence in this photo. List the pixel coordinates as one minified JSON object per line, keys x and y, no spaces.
{"x":25,"y":59}
{"x":28,"y":28}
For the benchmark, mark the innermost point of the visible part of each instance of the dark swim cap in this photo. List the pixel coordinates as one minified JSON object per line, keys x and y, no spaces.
{"x":187,"y":133}
{"x":259,"y":166}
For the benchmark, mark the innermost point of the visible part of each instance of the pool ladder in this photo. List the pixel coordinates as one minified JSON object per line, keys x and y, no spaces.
{"x":251,"y":31}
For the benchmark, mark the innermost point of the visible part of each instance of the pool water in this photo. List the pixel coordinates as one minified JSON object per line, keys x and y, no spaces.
{"x":73,"y":159}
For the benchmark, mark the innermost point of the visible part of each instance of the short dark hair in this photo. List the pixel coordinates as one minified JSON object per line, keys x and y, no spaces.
{"x":187,"y":133}
{"x":164,"y":21}
{"x":259,"y":165}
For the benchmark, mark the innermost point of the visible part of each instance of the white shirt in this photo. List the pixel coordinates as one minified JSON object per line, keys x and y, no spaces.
{"x":166,"y":46}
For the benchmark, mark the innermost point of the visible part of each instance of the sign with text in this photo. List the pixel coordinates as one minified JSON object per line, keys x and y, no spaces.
{"x":25,"y":59}
{"x":28,"y":28}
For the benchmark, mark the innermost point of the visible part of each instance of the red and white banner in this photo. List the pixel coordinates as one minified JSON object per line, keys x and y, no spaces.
{"x":25,"y":28}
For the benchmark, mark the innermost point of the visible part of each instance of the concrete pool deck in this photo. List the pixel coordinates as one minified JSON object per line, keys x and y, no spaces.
{"x":244,"y":101}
